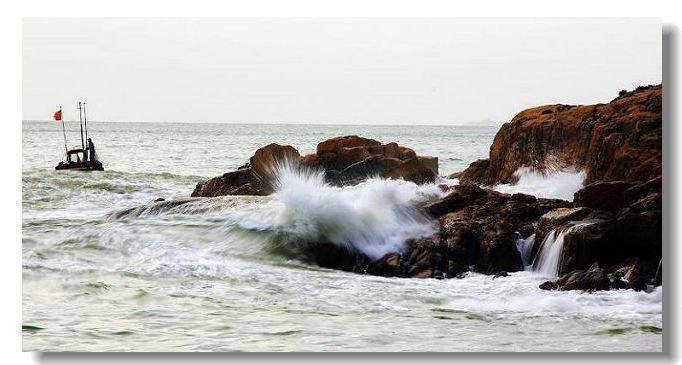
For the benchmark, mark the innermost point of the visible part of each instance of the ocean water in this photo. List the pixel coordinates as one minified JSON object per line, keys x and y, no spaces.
{"x":107,"y":269}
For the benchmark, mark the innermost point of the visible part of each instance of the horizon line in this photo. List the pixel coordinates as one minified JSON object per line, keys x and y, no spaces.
{"x":467,"y":124}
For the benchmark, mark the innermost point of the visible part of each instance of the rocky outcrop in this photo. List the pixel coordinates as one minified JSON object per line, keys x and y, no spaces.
{"x":254,"y":178}
{"x":621,"y":140}
{"x":622,"y":234}
{"x":612,"y":231}
{"x":630,"y":274}
{"x":351,"y":159}
{"x":478,"y":230}
{"x":345,"y":160}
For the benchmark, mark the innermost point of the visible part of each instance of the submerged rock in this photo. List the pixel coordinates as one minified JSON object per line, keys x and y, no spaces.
{"x":590,"y":280}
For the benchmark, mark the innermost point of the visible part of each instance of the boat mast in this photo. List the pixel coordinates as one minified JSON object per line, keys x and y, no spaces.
{"x":80,"y":116}
{"x":61,"y":115}
{"x":85,"y":120}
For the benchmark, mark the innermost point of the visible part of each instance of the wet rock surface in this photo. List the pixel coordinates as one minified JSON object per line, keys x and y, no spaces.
{"x":345,"y":160}
{"x":478,"y":230}
{"x":612,"y":231}
{"x":619,"y":140}
{"x":628,"y":243}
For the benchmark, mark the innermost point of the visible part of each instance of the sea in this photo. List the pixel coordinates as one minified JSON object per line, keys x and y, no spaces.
{"x":105,"y":268}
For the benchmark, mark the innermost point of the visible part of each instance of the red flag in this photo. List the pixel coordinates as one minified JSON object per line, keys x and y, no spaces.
{"x":58,"y":115}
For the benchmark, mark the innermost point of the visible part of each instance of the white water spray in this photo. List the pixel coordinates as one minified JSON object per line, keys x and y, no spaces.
{"x":525,"y":248}
{"x":552,"y":183}
{"x":548,"y":260}
{"x":374,"y":217}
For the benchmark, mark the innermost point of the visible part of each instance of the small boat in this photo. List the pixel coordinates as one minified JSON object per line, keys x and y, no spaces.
{"x":83,"y":158}
{"x":75,"y":160}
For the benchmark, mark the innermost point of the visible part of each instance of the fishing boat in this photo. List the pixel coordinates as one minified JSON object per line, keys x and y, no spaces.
{"x":82,"y":158}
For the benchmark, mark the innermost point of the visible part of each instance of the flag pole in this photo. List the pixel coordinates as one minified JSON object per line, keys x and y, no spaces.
{"x":80,"y":116}
{"x":85,"y":120}
{"x":61,"y":116}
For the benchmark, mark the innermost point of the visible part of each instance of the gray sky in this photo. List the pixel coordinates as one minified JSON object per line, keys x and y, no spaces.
{"x":316,"y":70}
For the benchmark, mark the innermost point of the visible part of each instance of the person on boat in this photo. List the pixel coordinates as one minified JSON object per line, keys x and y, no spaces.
{"x":91,"y":150}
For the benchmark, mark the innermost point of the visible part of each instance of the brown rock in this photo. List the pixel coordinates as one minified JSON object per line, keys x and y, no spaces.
{"x":266,"y":158}
{"x":345,"y":160}
{"x":253,"y":178}
{"x":392,"y":150}
{"x":405,"y":153}
{"x":347,"y":156}
{"x":410,"y":170}
{"x":429,"y":162}
{"x":336,"y":143}
{"x":620,"y":140}
{"x":224,"y":184}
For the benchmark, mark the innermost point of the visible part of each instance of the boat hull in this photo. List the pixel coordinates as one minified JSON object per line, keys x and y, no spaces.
{"x":81,"y":166}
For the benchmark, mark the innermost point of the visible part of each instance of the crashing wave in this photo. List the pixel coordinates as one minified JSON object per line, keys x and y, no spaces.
{"x":374,"y":217}
{"x":552,"y":183}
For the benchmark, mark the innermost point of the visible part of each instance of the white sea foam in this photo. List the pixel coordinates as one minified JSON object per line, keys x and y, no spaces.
{"x":519,"y":295}
{"x":525,"y":248}
{"x":548,"y":260}
{"x":551,"y":183}
{"x":375,"y":217}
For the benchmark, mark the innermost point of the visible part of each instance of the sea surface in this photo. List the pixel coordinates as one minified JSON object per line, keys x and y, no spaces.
{"x":107,"y":269}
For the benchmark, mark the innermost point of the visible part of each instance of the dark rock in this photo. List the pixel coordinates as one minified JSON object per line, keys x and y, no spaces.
{"x":549,"y":285}
{"x":500,"y":274}
{"x":389,"y":265}
{"x":498,"y":250}
{"x":553,"y":220}
{"x":640,"y":235}
{"x":602,"y":195}
{"x":527,"y":230}
{"x":618,"y":283}
{"x":445,"y":205}
{"x":412,"y":169}
{"x":477,"y":172}
{"x":425,"y":257}
{"x":523,"y":198}
{"x":632,"y":273}
{"x":638,"y":191}
{"x":590,"y":280}
{"x":588,"y":241}
{"x":639,"y":274}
